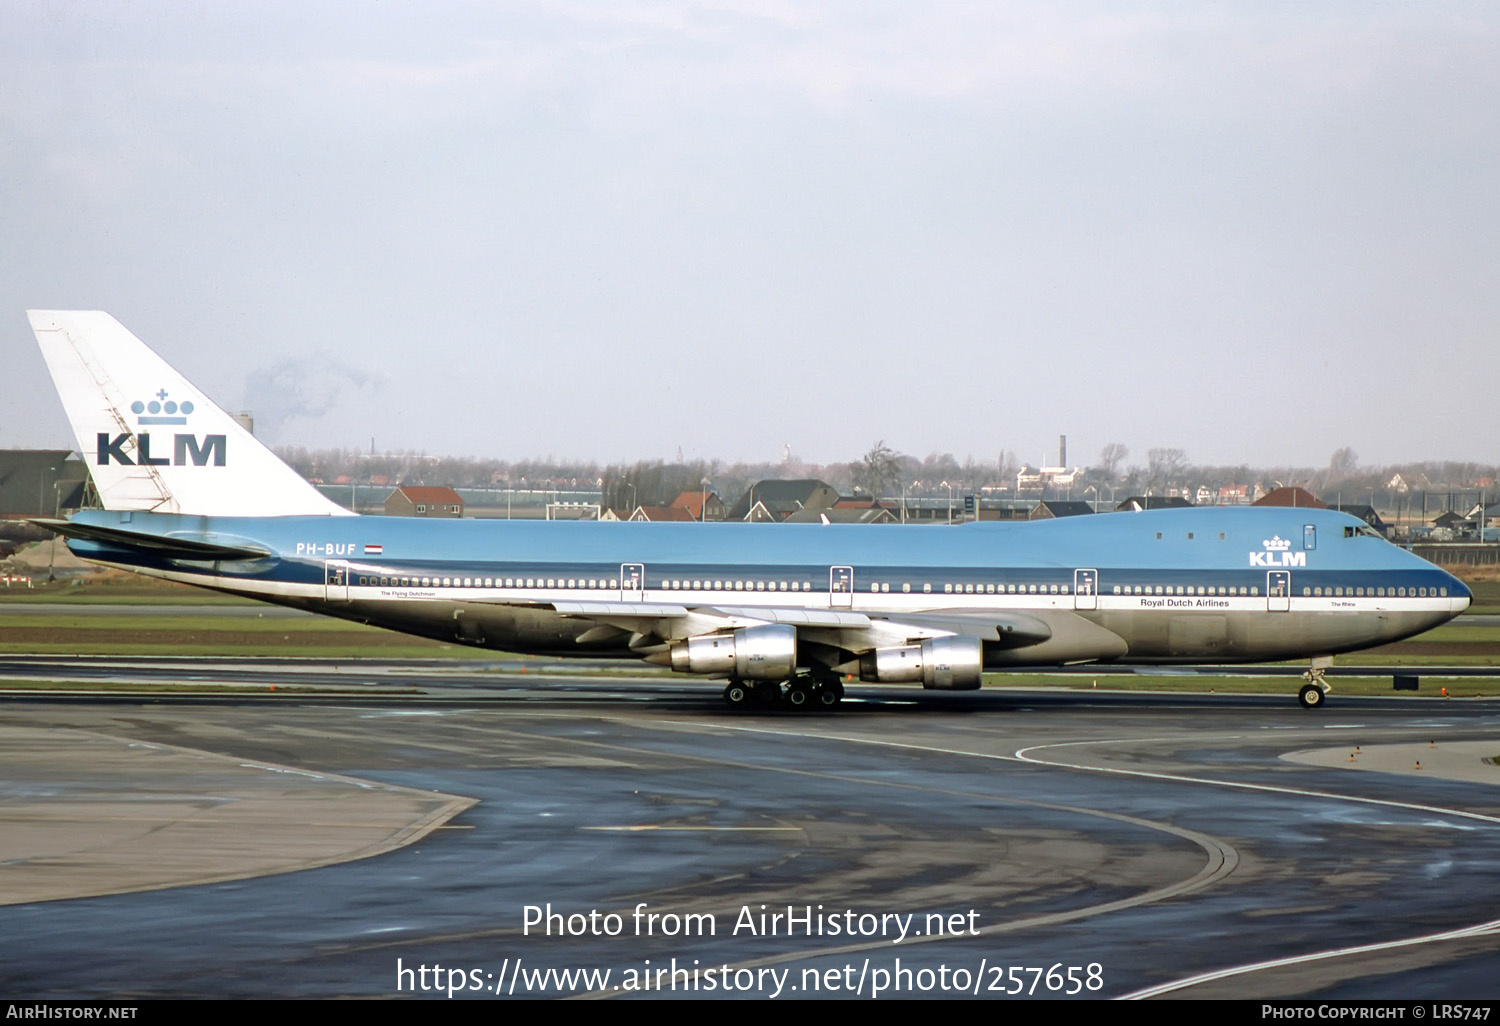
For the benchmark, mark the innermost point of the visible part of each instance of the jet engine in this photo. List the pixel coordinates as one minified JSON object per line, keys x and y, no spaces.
{"x":946,"y":664}
{"x":767,"y":652}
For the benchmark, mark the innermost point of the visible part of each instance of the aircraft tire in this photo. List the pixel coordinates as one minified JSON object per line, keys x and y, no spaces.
{"x":1311,"y":696}
{"x":799,"y":696}
{"x":737,"y":695}
{"x":828,"y":697}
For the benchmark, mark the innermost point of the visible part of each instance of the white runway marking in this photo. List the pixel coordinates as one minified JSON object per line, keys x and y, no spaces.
{"x":1024,"y":755}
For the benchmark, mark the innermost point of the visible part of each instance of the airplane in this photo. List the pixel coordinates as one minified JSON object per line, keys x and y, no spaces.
{"x":781,"y":613}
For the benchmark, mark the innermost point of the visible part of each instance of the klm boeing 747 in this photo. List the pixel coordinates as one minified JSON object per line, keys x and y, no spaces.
{"x":781,"y":613}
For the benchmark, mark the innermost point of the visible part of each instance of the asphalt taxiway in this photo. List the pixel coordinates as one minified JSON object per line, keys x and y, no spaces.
{"x":342,"y":836}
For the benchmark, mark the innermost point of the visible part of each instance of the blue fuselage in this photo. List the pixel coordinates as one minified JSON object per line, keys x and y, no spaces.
{"x":1195,"y":584}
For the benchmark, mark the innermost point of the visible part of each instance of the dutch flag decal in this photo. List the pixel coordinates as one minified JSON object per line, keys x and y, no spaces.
{"x":373,"y":550}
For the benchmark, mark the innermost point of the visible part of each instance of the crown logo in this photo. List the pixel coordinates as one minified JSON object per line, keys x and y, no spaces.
{"x":1276,"y":543}
{"x":161,"y":410}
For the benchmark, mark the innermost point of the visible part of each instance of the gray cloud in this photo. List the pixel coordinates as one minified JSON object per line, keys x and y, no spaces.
{"x":305,"y":389}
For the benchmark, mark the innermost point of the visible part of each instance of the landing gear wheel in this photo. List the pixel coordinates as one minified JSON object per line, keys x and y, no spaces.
{"x":1311,"y":696}
{"x":828,"y":697}
{"x":767,"y":694}
{"x":737,"y":694}
{"x":798,"y":695}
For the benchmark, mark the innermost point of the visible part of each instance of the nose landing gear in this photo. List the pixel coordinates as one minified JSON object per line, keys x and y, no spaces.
{"x":1315,"y":692}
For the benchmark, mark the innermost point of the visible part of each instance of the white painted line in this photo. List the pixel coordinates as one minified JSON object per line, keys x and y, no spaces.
{"x":1192,"y":981}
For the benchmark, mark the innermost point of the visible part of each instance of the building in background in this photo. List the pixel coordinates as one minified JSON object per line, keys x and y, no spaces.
{"x":424,"y":501}
{"x":41,"y":482}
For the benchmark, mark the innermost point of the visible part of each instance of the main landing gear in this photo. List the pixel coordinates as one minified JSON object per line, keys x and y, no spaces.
{"x":1315,"y":692}
{"x":805,"y":691}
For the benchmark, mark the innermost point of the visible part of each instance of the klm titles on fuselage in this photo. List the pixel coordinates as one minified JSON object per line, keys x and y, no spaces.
{"x":186,"y":449}
{"x":1278,"y":552}
{"x":1278,"y":559}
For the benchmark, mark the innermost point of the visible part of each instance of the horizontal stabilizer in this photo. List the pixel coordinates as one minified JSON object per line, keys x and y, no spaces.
{"x":168,"y":546}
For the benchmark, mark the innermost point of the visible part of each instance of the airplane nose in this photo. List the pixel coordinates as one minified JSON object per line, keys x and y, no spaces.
{"x":1459,"y":594}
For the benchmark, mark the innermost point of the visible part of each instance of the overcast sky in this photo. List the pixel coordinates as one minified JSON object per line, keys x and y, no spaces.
{"x":1254,"y":231}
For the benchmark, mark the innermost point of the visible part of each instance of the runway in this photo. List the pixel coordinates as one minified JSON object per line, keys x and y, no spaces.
{"x":1153,"y":845}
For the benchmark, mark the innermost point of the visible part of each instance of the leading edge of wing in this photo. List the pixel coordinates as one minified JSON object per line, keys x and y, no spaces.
{"x":1013,"y":627}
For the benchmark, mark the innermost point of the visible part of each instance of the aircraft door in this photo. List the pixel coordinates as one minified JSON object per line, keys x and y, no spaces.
{"x":841,"y":586}
{"x":632,"y":581}
{"x":1085,"y":589}
{"x":336,"y":580}
{"x":1279,"y":591}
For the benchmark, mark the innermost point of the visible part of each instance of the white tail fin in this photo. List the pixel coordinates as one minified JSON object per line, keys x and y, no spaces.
{"x":151,"y":440}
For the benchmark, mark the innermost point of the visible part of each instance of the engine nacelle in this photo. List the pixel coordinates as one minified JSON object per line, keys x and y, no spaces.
{"x":946,"y":664}
{"x":767,"y":652}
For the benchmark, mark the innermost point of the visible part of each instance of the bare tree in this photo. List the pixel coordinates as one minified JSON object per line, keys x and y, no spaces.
{"x":878,"y":471}
{"x":1342,"y":464}
{"x":1166,"y":465}
{"x":1111,"y":456}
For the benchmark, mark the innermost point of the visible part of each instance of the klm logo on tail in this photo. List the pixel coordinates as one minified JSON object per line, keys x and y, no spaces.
{"x":186,"y":449}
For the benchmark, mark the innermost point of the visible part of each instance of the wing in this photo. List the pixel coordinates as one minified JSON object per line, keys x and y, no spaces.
{"x":837,"y":638}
